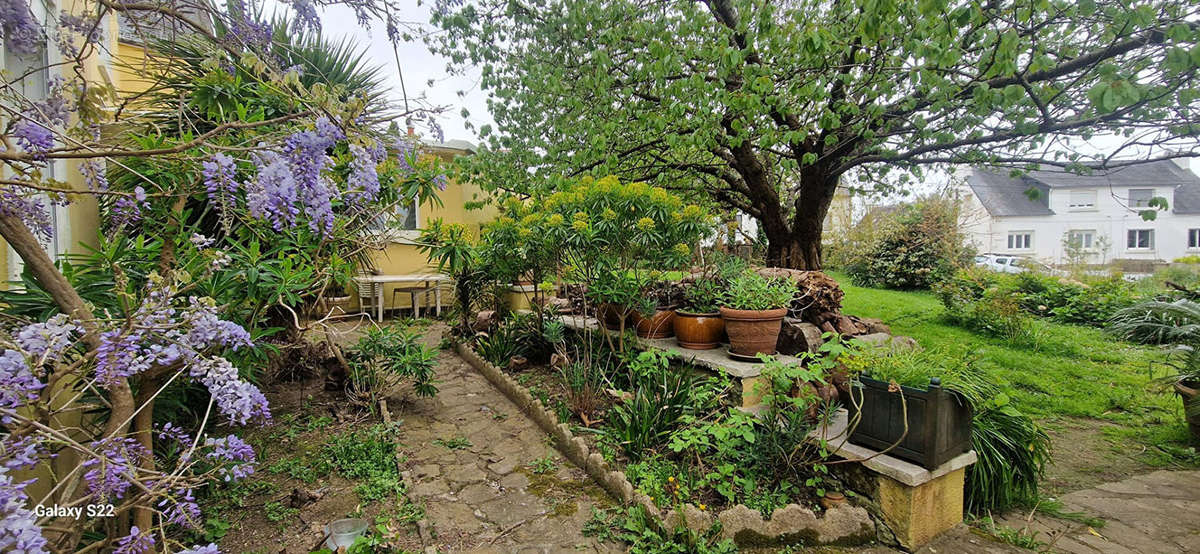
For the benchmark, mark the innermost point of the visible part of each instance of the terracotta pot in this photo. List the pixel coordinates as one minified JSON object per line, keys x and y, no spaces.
{"x":1188,"y":392}
{"x":610,"y":315}
{"x":338,"y":305}
{"x":699,"y":331}
{"x":831,"y":499}
{"x":753,"y":332}
{"x":658,"y":326}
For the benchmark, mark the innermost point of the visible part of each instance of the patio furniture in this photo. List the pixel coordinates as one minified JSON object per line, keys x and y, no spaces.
{"x":370,"y":297}
{"x":423,"y":289}
{"x":376,"y":283}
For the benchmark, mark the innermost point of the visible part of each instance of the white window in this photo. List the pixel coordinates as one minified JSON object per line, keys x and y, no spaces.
{"x":1081,"y":200}
{"x":401,"y":221}
{"x":1140,"y":198}
{"x":1085,"y":239}
{"x":1193,"y":238}
{"x":1020,"y":240}
{"x":1140,"y":239}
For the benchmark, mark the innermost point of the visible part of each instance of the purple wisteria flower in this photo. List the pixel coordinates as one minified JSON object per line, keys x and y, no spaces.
{"x":48,"y":339}
{"x":363,"y":181}
{"x":137,"y":542}
{"x":306,"y":16}
{"x":28,"y":210}
{"x":181,"y":509}
{"x":218,"y":174}
{"x":239,"y":400}
{"x":171,"y":432}
{"x":22,"y":453}
{"x":19,"y":531}
{"x":108,"y":475}
{"x":236,"y":458}
{"x":95,"y":174}
{"x":21,"y":32}
{"x":200,"y":241}
{"x":272,"y":196}
{"x":70,"y":25}
{"x":210,"y":548}
{"x":33,"y":137}
{"x":56,"y":108}
{"x":119,"y":356}
{"x":18,"y":385}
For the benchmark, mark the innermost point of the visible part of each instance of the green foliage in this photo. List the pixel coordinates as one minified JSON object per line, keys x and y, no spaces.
{"x":1189,"y":259}
{"x":751,"y":291}
{"x":453,"y":443}
{"x":386,"y":355}
{"x":913,"y":247}
{"x":662,"y":398}
{"x":994,"y":302}
{"x":369,"y":457}
{"x":500,"y":345}
{"x":642,"y":534}
{"x":460,"y":256}
{"x":763,"y":106}
{"x":544,"y":465}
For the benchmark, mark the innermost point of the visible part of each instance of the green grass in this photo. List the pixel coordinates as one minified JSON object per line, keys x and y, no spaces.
{"x":1072,"y":372}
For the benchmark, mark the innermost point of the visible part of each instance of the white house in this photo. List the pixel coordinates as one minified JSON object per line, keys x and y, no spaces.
{"x":1032,"y":215}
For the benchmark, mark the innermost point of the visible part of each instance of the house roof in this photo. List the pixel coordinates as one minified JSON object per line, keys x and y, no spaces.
{"x":452,"y":144}
{"x":1002,"y":195}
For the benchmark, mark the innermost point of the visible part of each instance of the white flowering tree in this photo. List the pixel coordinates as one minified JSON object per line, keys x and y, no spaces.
{"x":307,"y":160}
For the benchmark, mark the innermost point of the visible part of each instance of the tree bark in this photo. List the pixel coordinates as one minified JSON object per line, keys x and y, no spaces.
{"x":796,"y":244}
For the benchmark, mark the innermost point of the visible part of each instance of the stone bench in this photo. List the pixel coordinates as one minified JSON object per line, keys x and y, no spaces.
{"x":917,"y":504}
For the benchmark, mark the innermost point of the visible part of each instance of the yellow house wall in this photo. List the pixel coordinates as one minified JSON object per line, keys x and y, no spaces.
{"x":402,"y":257}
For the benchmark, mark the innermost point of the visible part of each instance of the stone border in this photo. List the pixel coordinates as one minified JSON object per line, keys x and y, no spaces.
{"x":842,"y":525}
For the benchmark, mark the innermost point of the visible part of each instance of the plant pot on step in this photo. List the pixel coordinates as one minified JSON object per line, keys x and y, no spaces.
{"x":699,"y":331}
{"x":1189,"y":392}
{"x":611,"y":315}
{"x":938,"y":421}
{"x":660,"y":325}
{"x":753,"y":332}
{"x":334,"y":305}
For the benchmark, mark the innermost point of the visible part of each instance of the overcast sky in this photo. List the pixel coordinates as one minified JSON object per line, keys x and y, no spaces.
{"x":425,"y":75}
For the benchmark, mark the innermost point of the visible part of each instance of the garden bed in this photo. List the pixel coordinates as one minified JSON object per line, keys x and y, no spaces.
{"x":791,"y":523}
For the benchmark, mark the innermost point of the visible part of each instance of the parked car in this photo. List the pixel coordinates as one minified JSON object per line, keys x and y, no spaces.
{"x":1013,"y":264}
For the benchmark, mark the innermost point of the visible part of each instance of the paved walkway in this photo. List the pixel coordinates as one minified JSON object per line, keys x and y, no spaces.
{"x":471,"y":459}
{"x":1156,"y":512}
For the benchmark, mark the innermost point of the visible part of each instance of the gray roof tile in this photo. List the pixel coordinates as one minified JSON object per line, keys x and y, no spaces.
{"x":1002,"y":195}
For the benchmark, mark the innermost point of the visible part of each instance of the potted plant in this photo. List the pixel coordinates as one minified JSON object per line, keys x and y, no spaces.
{"x":614,"y":293}
{"x":334,"y":300}
{"x":698,"y":324}
{"x":1176,"y":323}
{"x":911,"y":407}
{"x":753,"y":309}
{"x":653,"y":313}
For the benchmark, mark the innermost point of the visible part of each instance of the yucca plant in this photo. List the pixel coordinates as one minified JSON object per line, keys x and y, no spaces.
{"x":1176,"y":323}
{"x":1012,"y":451}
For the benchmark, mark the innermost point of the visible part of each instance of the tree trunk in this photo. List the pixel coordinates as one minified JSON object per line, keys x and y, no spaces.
{"x":798,"y":245}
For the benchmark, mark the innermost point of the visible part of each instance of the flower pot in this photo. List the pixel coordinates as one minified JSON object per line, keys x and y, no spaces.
{"x":753,"y":332}
{"x":658,"y":326}
{"x":699,"y":331}
{"x":611,"y":315}
{"x":1188,"y":391}
{"x":938,"y":421}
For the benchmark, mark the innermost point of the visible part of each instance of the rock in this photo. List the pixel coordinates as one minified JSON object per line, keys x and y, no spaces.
{"x":303,"y":497}
{"x":744,"y":525}
{"x":694,"y":518}
{"x":560,"y":305}
{"x":846,"y":326}
{"x":876,"y":339}
{"x":484,"y":320}
{"x":875,"y":325}
{"x":798,"y":336}
{"x":845,"y":525}
{"x":901,"y":343}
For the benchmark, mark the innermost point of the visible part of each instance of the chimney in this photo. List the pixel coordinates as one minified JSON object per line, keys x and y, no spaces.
{"x":411,"y":130}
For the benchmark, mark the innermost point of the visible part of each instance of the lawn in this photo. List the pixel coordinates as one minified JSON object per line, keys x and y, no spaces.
{"x":1095,"y":395}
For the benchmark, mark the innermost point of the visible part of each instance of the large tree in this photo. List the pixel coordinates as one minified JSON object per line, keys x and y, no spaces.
{"x":766,"y":105}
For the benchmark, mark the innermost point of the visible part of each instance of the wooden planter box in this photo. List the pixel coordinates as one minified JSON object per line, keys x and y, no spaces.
{"x":939,"y":422}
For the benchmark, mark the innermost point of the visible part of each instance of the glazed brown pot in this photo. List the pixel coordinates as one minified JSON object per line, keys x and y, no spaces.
{"x":753,"y":332}
{"x":1188,"y":392}
{"x":699,"y":331}
{"x":658,"y":326}
{"x":610,"y":315}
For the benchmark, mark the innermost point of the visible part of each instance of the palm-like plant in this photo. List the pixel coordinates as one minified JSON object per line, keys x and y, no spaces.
{"x":1177,"y":323}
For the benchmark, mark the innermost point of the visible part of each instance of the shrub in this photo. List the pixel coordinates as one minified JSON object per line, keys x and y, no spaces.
{"x":385,"y":356}
{"x":1192,"y":259}
{"x":914,"y":247}
{"x":1055,"y":298}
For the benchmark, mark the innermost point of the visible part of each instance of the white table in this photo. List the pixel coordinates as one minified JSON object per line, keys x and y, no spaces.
{"x":424,"y":278}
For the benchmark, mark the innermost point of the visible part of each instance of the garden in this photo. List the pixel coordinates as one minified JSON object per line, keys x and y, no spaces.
{"x":191,"y":203}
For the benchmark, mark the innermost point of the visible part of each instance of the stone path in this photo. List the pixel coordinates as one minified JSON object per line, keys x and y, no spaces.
{"x":1156,"y":512}
{"x":470,"y":462}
